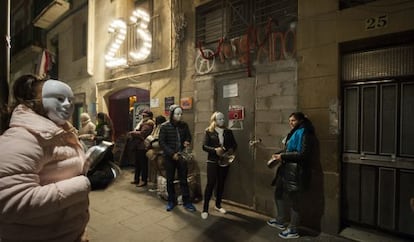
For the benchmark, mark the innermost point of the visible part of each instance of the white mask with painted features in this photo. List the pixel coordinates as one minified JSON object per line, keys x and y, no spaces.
{"x":220,"y":120}
{"x":57,"y":100}
{"x":178,"y":113}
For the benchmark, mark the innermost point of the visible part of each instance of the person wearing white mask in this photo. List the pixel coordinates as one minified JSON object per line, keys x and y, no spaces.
{"x":174,"y":137}
{"x":217,"y":140}
{"x":87,"y":131}
{"x":43,"y":187}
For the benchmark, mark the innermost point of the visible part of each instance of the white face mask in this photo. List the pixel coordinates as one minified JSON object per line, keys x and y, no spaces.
{"x":178,"y":112}
{"x":220,"y":120}
{"x":57,"y":100}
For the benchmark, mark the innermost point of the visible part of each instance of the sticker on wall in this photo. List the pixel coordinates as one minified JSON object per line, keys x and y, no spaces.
{"x":230,"y":90}
{"x":186,"y":103}
{"x":236,"y":117}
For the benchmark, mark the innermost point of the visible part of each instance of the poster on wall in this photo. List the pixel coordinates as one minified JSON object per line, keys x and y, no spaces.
{"x":236,"y":117}
{"x":168,"y":101}
{"x":138,"y":107}
{"x":155,"y":102}
{"x":186,"y":103}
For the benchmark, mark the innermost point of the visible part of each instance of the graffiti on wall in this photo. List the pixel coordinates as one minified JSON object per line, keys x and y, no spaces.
{"x":257,"y":45}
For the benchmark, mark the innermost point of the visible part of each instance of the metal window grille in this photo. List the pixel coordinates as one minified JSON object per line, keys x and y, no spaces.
{"x":232,"y":18}
{"x":381,"y":63}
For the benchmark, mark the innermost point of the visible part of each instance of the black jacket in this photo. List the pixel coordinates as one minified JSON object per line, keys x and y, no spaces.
{"x":295,"y":171}
{"x":170,"y":134}
{"x":211,"y":141}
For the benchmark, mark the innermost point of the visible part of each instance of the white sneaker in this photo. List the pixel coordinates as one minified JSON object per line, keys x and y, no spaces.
{"x":221,"y":210}
{"x":204,"y":215}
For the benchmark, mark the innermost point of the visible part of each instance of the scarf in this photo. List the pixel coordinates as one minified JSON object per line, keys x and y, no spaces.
{"x":220,"y":135}
{"x":295,"y":141}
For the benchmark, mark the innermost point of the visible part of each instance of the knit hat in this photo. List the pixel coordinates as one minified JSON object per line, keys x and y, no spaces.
{"x":84,"y":117}
{"x":147,"y":113}
{"x":173,"y":107}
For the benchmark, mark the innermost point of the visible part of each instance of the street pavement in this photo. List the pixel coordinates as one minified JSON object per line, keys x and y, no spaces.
{"x":123,"y":213}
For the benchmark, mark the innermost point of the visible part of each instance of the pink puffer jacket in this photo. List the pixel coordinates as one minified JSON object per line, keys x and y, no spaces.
{"x":43,"y":195}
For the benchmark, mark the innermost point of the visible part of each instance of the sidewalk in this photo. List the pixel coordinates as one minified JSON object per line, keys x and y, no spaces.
{"x":123,"y":213}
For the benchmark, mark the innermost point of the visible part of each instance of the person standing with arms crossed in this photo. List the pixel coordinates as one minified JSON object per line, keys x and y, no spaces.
{"x":217,"y":140}
{"x":293,"y":176}
{"x":174,"y":137}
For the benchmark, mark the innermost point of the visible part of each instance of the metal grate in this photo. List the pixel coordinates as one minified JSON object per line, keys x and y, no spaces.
{"x":232,"y":18}
{"x":381,"y":63}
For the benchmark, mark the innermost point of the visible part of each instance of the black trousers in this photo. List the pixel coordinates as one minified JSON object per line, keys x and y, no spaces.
{"x":182,"y":171}
{"x":285,"y":199}
{"x":141,"y":166}
{"x":216,"y":176}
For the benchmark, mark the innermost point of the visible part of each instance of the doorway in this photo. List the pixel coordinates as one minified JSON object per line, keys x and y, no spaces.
{"x":378,"y":124}
{"x":121,"y":111}
{"x":120,"y":108}
{"x":239,"y":92}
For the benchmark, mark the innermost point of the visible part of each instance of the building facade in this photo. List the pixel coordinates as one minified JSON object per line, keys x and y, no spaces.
{"x":347,"y":64}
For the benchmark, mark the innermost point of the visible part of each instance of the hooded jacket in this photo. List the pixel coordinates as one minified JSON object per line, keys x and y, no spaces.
{"x":43,"y":195}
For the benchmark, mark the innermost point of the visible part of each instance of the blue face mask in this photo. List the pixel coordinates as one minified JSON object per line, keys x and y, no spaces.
{"x":57,"y":100}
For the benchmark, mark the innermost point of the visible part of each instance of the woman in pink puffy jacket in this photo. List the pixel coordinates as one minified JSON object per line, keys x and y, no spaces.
{"x":43,"y":189}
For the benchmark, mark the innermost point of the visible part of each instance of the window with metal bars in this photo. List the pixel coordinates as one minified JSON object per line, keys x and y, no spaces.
{"x":233,"y":18}
{"x":343,"y":4}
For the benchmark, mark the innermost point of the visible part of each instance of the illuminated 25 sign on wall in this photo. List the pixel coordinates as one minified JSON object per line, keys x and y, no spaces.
{"x":139,"y":20}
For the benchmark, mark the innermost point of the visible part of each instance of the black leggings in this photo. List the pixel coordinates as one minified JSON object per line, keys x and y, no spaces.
{"x":215,"y":175}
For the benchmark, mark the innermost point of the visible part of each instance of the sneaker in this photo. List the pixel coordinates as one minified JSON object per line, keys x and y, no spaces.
{"x":221,"y":210}
{"x":289,"y":233}
{"x":190,"y":207}
{"x":170,"y":206}
{"x":275,"y":224}
{"x":204,"y":215}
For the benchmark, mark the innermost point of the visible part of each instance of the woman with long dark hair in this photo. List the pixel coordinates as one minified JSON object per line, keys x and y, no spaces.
{"x":293,"y":175}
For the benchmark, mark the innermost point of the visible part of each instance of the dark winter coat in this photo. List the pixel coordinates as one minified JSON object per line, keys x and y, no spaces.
{"x":172,"y":137}
{"x":295,"y":170}
{"x":138,"y":136}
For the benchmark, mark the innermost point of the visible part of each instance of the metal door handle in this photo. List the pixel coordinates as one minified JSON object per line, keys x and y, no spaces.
{"x":253,"y":142}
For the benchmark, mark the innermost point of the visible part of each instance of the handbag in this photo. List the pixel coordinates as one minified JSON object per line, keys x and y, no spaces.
{"x":151,"y":142}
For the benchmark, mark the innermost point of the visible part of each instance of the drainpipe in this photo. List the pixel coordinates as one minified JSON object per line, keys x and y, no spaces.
{"x":5,"y":66}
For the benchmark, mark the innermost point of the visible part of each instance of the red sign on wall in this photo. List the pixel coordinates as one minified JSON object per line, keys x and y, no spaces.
{"x":236,"y":112}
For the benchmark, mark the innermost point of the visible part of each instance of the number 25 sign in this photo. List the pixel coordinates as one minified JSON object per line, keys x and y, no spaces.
{"x":139,"y":20}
